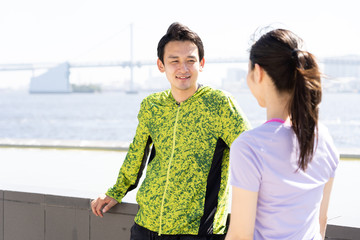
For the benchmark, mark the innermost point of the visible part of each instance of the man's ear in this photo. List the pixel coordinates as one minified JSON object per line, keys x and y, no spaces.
{"x":202,"y":63}
{"x":160,"y":65}
{"x":258,"y":73}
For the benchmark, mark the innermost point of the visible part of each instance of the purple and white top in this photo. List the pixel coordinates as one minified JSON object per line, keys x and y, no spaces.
{"x":264,"y":160}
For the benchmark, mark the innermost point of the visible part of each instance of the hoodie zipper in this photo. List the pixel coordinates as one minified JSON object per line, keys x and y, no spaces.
{"x":168,"y":170}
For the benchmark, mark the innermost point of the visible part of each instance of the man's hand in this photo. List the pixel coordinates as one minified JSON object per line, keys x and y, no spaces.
{"x":98,"y":204}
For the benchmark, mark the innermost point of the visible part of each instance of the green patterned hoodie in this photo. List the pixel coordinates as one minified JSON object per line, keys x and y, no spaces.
{"x":185,"y":190}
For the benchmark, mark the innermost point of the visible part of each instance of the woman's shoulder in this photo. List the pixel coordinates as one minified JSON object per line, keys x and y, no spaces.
{"x":250,"y":136}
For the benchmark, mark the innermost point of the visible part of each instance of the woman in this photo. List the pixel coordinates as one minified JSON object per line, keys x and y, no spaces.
{"x":282,"y":171}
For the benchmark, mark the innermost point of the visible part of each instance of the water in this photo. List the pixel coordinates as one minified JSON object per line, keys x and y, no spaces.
{"x":112,"y":116}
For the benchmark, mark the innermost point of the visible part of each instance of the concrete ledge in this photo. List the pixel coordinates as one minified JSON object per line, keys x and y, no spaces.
{"x":24,"y":215}
{"x":67,"y":202}
{"x":1,"y":215}
{"x":65,"y":144}
{"x":24,"y":197}
{"x":342,"y":233}
{"x":33,"y":216}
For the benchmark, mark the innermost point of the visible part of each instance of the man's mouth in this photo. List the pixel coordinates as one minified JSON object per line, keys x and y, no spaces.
{"x":183,"y":77}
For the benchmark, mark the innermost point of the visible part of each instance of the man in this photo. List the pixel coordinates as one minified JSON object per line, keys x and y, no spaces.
{"x":190,"y":127}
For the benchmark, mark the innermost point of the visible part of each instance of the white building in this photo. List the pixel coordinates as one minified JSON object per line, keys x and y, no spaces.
{"x":55,"y":80}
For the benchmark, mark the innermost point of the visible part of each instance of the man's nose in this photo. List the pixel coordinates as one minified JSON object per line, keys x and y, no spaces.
{"x":184,"y":67}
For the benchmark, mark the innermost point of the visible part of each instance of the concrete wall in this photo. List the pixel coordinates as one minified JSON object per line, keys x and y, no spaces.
{"x":30,"y":216}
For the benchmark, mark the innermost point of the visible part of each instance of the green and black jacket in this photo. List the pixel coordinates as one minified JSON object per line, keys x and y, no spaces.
{"x":185,"y":190}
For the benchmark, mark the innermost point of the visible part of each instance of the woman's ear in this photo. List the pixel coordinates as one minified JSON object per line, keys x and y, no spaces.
{"x":258,"y":73}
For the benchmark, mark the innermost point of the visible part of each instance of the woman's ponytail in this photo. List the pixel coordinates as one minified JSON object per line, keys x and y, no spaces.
{"x":304,"y":105}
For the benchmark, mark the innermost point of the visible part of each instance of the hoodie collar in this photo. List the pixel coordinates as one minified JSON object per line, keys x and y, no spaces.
{"x":190,"y":99}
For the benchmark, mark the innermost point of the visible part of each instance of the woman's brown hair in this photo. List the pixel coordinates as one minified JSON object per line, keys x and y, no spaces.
{"x":294,"y":71}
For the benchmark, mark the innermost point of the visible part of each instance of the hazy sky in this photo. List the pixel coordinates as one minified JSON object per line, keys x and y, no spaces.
{"x":88,"y":30}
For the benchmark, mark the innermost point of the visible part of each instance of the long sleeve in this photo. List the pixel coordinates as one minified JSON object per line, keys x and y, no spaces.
{"x":135,"y":160}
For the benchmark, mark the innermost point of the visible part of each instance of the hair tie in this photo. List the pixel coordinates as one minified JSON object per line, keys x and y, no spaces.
{"x":294,"y":52}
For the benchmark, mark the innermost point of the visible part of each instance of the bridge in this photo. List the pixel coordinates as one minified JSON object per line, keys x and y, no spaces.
{"x":337,"y":68}
{"x":131,"y":64}
{"x":124,"y":64}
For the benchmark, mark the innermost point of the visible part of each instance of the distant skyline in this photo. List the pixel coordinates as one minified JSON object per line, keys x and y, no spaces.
{"x":88,"y":31}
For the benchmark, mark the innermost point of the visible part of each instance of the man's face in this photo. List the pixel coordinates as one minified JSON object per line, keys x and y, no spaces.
{"x":181,"y":65}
